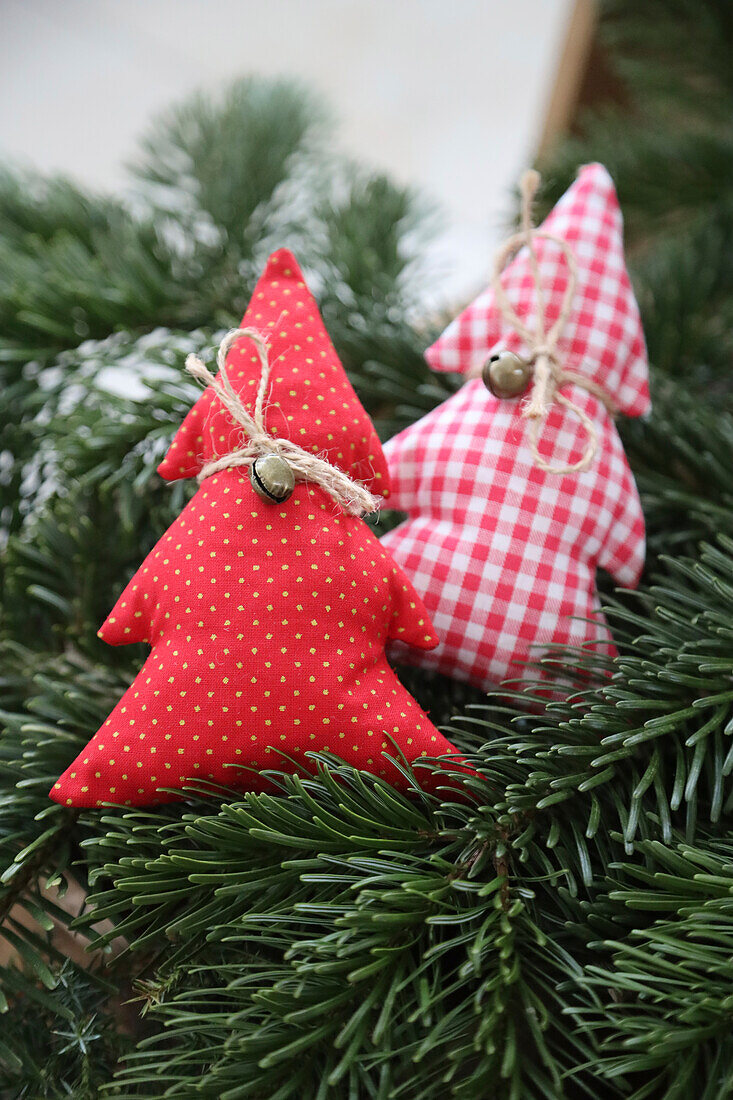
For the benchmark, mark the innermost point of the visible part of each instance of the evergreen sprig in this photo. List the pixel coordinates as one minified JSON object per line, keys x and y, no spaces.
{"x":559,"y":927}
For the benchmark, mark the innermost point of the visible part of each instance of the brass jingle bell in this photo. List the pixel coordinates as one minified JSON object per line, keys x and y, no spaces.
{"x":272,"y":478}
{"x":507,"y":375}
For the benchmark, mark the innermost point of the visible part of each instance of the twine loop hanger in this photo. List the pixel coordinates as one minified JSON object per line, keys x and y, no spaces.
{"x":353,"y":497}
{"x":549,"y":374}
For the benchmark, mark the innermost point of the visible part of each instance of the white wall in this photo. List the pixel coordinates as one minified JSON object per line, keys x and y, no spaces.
{"x":448,"y":95}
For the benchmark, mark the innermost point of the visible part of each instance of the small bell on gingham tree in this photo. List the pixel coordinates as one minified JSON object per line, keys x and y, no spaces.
{"x":514,"y":500}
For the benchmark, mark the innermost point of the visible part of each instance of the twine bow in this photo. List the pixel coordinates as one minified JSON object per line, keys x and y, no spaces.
{"x":353,"y":497}
{"x":549,"y":374}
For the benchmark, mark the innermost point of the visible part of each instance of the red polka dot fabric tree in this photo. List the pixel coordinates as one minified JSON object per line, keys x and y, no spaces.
{"x":267,"y":621}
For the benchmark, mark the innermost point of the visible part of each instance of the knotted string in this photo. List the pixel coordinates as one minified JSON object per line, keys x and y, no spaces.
{"x":353,"y":497}
{"x":548,"y":372}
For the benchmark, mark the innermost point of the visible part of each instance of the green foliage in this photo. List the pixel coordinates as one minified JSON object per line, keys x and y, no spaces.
{"x":560,"y":928}
{"x":670,"y":151}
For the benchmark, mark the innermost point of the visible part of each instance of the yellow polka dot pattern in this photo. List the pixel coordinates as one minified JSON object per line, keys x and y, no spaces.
{"x":267,"y":625}
{"x":311,"y":400}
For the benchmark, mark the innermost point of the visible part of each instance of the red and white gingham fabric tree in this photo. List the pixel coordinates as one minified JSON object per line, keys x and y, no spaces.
{"x":503,"y":553}
{"x":267,"y":621}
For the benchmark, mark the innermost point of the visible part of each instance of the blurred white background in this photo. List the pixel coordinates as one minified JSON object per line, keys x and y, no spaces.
{"x":450,"y":96}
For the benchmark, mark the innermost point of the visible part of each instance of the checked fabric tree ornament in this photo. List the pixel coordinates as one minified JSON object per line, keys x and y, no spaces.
{"x":268,"y":603}
{"x":517,"y":487}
